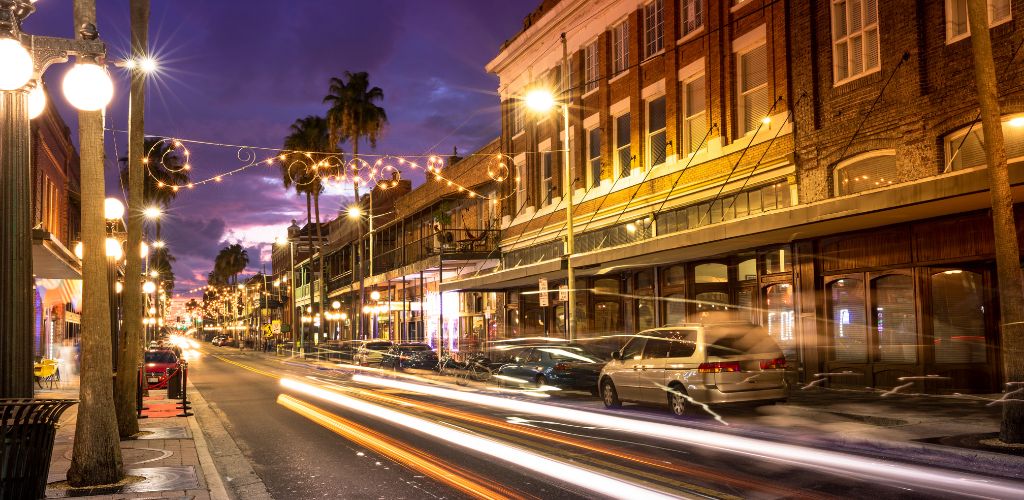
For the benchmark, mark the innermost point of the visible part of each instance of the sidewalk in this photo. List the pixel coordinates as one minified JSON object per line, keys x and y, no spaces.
{"x":940,"y":430}
{"x":171,"y":454}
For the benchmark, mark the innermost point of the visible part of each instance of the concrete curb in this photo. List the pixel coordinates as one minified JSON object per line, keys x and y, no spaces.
{"x":243,"y":481}
{"x":213,"y":479}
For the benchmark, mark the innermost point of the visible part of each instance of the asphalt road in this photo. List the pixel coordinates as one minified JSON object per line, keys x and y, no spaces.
{"x":318,"y":433}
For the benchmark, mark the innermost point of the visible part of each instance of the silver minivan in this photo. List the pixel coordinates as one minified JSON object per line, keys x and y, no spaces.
{"x":694,"y":364}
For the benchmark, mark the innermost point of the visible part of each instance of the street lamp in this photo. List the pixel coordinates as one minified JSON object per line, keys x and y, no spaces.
{"x":291,"y":295}
{"x":152,"y":213}
{"x":543,"y":101}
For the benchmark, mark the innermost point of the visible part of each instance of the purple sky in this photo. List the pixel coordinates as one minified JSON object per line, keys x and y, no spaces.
{"x":241,"y":72}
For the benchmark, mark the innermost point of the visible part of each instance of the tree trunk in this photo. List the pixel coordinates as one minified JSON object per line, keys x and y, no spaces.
{"x":357,"y":310}
{"x":1008,"y":270}
{"x":96,"y":457}
{"x":130,"y":341}
{"x":309,"y":241}
{"x":321,"y":285}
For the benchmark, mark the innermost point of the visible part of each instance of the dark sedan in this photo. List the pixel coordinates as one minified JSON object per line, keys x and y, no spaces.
{"x":564,"y":366}
{"x":403,"y":356}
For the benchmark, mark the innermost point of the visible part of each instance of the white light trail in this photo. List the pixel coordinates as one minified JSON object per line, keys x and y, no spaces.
{"x":902,"y":475}
{"x":578,"y":476}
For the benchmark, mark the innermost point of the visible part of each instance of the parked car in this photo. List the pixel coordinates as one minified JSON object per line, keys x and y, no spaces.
{"x":566,"y":366}
{"x":371,"y":352}
{"x":686,"y":365}
{"x":157,"y":362}
{"x":411,"y":355}
{"x":217,"y":339}
{"x":347,"y":350}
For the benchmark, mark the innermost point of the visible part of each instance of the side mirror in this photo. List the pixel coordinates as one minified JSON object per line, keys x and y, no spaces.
{"x":616,"y":355}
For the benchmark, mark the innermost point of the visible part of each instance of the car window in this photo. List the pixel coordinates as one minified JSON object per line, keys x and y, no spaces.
{"x":633,"y":348}
{"x":571,"y":354}
{"x":414,"y":348}
{"x":378,"y":346}
{"x":738,"y":340}
{"x":535,"y":356}
{"x":161,"y":357}
{"x":656,"y":348}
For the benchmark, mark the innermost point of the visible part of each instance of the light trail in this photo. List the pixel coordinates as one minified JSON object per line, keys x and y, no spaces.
{"x":833,"y":462}
{"x":560,"y":471}
{"x":683,"y":470}
{"x":412,"y":458}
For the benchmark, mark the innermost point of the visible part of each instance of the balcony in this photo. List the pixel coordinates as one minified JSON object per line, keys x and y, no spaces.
{"x":454,"y":244}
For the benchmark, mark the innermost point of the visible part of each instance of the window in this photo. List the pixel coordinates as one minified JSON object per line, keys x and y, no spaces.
{"x":517,"y":115}
{"x":590,"y":67}
{"x":779,"y":317}
{"x":895,"y":318}
{"x":846,"y":318}
{"x":623,"y":155}
{"x":958,"y":316}
{"x":869,"y":171}
{"x":547,"y":185}
{"x":855,"y":50}
{"x":692,"y":15}
{"x":778,"y":260}
{"x":675,"y":309}
{"x":957,"y":27}
{"x":711,"y":273}
{"x":633,"y":348}
{"x":594,"y":157}
{"x":696,"y":125}
{"x":966,"y":149}
{"x":656,"y":131}
{"x":754,"y":98}
{"x":654,"y":28}
{"x":620,"y":47}
{"x":520,"y":166}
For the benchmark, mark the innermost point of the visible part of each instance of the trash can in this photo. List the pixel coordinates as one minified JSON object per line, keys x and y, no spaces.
{"x":174,"y":383}
{"x":28,"y":429}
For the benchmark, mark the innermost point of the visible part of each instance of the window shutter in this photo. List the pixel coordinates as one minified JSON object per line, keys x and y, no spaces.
{"x":865,"y":174}
{"x":753,"y":86}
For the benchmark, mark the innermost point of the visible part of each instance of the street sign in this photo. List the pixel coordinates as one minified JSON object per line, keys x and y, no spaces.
{"x":563,"y":293}
{"x":542,"y":284}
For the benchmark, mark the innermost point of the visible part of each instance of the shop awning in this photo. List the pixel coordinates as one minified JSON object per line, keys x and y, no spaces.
{"x":51,"y":259}
{"x":517,"y":276}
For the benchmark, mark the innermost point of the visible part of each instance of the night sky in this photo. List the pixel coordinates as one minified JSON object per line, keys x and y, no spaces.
{"x":240,"y":72}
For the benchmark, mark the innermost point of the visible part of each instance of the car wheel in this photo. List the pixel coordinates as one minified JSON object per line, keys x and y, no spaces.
{"x":541,"y":381}
{"x":609,"y":396}
{"x":678,"y":403}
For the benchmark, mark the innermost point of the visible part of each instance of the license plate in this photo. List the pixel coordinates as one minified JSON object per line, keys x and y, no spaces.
{"x":152,"y":380}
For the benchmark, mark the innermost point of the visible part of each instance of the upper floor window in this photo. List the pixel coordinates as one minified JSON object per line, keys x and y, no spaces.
{"x":957,"y":27}
{"x":865,"y":172}
{"x":696,"y":124}
{"x":754,"y":101}
{"x":654,"y":28}
{"x":520,"y":166}
{"x":620,"y":47}
{"x":517,"y":115}
{"x":966,"y":149}
{"x":855,"y":50}
{"x":623,"y":155}
{"x":547,"y":172}
{"x":594,"y":157}
{"x":656,"y":131}
{"x":590,"y":67}
{"x":691,"y":13}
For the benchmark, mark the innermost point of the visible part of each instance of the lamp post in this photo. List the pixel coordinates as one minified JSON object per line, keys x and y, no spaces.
{"x":355,"y":212}
{"x":291,"y":294}
{"x":542,"y":100}
{"x":113,"y":211}
{"x":24,"y":58}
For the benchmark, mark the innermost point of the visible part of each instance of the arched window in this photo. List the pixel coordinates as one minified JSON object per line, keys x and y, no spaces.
{"x":871,"y":170}
{"x":965,"y":147}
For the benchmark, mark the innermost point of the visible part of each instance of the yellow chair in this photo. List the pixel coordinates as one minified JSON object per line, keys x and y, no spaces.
{"x":47,"y":371}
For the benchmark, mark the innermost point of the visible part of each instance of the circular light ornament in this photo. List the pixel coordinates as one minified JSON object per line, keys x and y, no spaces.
{"x":335,"y":305}
{"x":36,"y":101}
{"x":114,"y":249}
{"x":148,"y":287}
{"x":88,"y":87}
{"x":17,"y":64}
{"x":113,"y":209}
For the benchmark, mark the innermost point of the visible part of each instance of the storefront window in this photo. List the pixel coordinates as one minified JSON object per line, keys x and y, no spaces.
{"x":607,"y":317}
{"x":778,"y":260}
{"x":895,"y":319}
{"x":711,"y":273}
{"x":675,"y":309}
{"x":747,"y":270}
{"x":645,"y":314}
{"x":846,"y":314}
{"x":712,"y":301}
{"x":674,"y":275}
{"x":958,"y":317}
{"x":606,"y":286}
{"x":779,"y":317}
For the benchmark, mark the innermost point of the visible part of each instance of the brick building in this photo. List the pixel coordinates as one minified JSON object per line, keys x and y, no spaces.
{"x":809,"y":166}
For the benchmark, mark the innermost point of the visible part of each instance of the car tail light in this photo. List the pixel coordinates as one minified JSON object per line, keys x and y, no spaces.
{"x":772,"y":364}
{"x":562,"y":367}
{"x":719,"y":367}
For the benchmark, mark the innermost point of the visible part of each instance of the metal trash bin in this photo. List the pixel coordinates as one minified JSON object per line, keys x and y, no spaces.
{"x":28,"y":429}
{"x":174,"y":383}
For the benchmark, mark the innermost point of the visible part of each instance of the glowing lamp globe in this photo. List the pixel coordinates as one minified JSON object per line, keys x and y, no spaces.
{"x":336,"y":305}
{"x":114,"y":249}
{"x":539,"y":100}
{"x":88,"y":87}
{"x":113,"y":209}
{"x":148,"y":287}
{"x":143,"y":249}
{"x":118,"y":287}
{"x":36,"y":101}
{"x":17,"y":64}
{"x":375,"y":295}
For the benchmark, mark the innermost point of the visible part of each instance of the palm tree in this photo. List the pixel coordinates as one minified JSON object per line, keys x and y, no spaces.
{"x":311,"y":135}
{"x":231,"y":261}
{"x":161,"y":263}
{"x":163,"y":165}
{"x":354,"y":114}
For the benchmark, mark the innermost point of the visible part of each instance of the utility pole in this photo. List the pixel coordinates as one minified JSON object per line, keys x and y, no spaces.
{"x":96,"y":458}
{"x":1008,"y":270}
{"x":131,"y":334}
{"x":570,"y":184}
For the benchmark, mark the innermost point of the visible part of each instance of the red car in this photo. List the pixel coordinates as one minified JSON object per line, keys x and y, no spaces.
{"x":158,"y":361}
